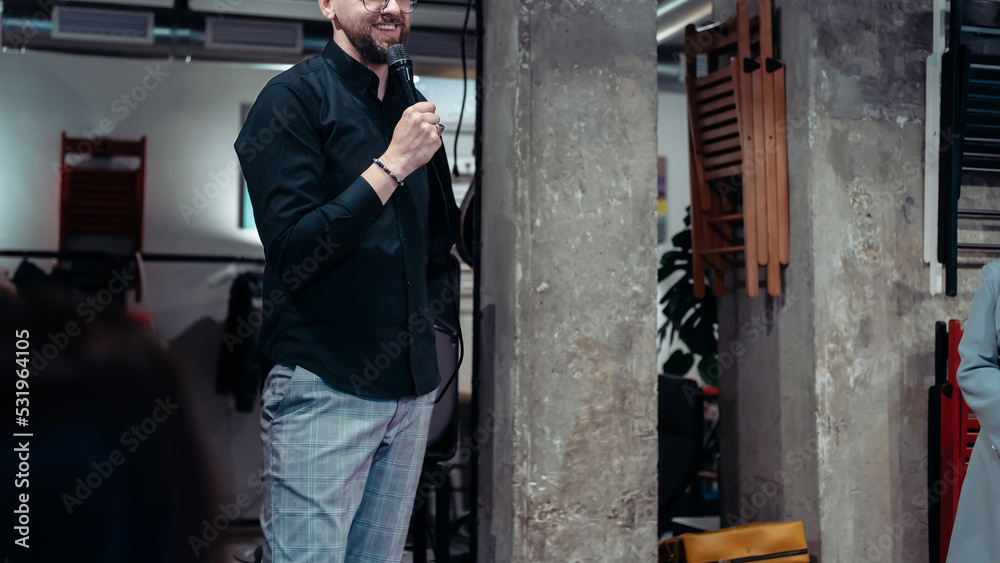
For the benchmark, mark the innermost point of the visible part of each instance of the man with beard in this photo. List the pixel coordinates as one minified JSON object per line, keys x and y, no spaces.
{"x":356,"y":228}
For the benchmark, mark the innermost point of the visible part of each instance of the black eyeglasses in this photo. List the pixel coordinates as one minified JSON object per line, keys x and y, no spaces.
{"x":376,"y":6}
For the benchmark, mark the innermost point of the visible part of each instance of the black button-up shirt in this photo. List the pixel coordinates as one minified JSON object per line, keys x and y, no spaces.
{"x":351,"y":287}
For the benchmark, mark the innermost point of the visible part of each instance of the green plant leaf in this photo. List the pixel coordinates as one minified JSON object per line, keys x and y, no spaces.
{"x":699,"y":334}
{"x":694,"y":321}
{"x":672,"y":261}
{"x":676,"y":309}
{"x":679,"y":363}
{"x":708,"y":370}
{"x":677,"y":291}
{"x":682,"y":240}
{"x":675,"y":257}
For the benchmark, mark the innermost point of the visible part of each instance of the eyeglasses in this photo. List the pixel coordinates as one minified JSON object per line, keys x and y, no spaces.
{"x":376,"y":6}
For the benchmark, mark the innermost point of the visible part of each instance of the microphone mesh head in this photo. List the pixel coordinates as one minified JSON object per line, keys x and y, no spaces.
{"x":396,"y":54}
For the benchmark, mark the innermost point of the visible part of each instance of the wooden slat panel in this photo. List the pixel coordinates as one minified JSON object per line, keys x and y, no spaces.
{"x":725,"y":102}
{"x":101,"y":200}
{"x":732,"y":158}
{"x":718,"y":119}
{"x":725,"y":229}
{"x":697,"y":264}
{"x":710,"y":79}
{"x":103,"y":172}
{"x":711,"y":237}
{"x":724,"y":250}
{"x":722,"y":145}
{"x":766,"y":105}
{"x":756,"y":167}
{"x":745,"y":122}
{"x":101,"y":207}
{"x":100,"y":197}
{"x":100,"y":226}
{"x":702,"y":96}
{"x":699,"y":187}
{"x":719,"y":132}
{"x":735,"y":218}
{"x":74,"y":145}
{"x":98,"y":190}
{"x":719,"y":237}
{"x":89,"y":214}
{"x":720,"y":173}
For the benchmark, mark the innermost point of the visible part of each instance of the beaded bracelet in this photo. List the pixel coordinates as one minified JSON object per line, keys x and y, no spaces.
{"x":399,"y":183}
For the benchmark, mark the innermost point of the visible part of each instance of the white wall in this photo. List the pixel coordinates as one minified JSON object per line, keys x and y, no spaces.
{"x":190,"y":114}
{"x":672,"y":141}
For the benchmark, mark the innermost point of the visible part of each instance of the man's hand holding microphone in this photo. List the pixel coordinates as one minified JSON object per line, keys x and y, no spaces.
{"x":416,"y":137}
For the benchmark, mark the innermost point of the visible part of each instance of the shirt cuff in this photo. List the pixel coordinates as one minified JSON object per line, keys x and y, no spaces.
{"x":361,"y":200}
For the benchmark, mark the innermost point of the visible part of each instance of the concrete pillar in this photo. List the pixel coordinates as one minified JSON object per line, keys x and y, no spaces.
{"x":569,"y":282}
{"x":824,"y":404}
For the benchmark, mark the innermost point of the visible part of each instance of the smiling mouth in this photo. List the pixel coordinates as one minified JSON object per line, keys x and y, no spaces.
{"x":386,"y":26}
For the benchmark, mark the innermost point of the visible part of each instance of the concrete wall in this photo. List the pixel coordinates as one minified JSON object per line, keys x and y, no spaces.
{"x":825,"y":404}
{"x":569,"y":282}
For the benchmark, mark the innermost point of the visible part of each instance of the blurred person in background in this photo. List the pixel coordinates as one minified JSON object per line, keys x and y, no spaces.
{"x":117,"y":471}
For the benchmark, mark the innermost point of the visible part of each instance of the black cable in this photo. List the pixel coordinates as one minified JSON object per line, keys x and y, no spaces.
{"x":477,"y":344}
{"x":458,"y":290}
{"x":465,"y":84}
{"x":447,"y":215}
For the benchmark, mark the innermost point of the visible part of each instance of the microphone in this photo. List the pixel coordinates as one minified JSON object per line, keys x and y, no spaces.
{"x":401,"y":71}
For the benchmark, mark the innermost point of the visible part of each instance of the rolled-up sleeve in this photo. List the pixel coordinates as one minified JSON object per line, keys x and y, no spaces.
{"x":978,"y":373}
{"x":281,"y":154}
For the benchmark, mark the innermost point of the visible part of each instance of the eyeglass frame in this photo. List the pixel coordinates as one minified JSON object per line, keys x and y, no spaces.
{"x":385,"y":4}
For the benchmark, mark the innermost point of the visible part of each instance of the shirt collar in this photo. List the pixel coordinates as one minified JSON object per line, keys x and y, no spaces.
{"x":358,"y":78}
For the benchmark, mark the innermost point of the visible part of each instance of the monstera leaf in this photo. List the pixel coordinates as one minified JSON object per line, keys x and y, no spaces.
{"x":695,"y":321}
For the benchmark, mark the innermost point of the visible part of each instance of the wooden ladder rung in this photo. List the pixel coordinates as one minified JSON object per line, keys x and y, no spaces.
{"x":720,"y":75}
{"x":724,"y":102}
{"x":724,"y":89}
{"x":719,"y":146}
{"x":718,"y":119}
{"x":727,"y":218}
{"x":723,"y":250}
{"x":719,"y":132}
{"x":731,"y":158}
{"x":725,"y":172}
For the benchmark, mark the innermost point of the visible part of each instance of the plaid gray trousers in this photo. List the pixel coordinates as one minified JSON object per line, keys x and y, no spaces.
{"x":340,"y":471}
